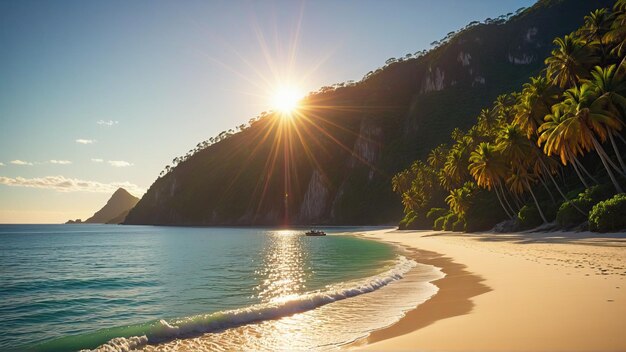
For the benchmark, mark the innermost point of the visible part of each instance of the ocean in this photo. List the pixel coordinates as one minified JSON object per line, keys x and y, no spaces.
{"x":112,"y":287}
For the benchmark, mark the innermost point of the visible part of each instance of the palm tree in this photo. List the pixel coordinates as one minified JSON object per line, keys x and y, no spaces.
{"x":487,"y":120}
{"x":459,"y":199}
{"x":568,"y":62}
{"x":519,"y":182}
{"x":437,"y":157}
{"x":514,"y":145}
{"x":558,"y":136}
{"x":597,"y":24}
{"x":610,"y":90}
{"x":488,"y":169}
{"x":534,"y":104}
{"x":456,"y":164}
{"x":589,"y":125}
{"x":616,"y":35}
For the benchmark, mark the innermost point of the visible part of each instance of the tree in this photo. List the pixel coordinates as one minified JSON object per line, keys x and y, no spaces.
{"x":534,"y":103}
{"x":568,"y":62}
{"x":596,"y":25}
{"x":616,"y":35}
{"x":610,"y":91}
{"x":586,"y":124}
{"x":460,"y":199}
{"x":488,"y":169}
{"x":437,"y":157}
{"x":520,"y":181}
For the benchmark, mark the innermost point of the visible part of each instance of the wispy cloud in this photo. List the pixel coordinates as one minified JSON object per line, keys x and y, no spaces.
{"x":85,"y":141}
{"x":97,"y":160}
{"x":60,"y":162}
{"x":1,"y":164}
{"x":107,"y":123}
{"x":21,"y":162}
{"x":119,"y":163}
{"x":64,"y":184}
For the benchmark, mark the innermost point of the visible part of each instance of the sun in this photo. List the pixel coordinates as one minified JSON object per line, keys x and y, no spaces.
{"x":286,"y":100}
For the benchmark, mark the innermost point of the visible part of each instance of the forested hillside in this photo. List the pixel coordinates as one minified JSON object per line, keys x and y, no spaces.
{"x":548,"y":154}
{"x":334,"y":163}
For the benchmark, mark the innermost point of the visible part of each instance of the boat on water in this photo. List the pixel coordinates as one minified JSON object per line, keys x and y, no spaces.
{"x":315,"y":233}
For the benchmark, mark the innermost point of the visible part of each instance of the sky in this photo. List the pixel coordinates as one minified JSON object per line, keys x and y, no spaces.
{"x":96,"y":95}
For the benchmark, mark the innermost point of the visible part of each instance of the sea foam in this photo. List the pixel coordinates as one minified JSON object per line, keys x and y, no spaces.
{"x":205,"y":323}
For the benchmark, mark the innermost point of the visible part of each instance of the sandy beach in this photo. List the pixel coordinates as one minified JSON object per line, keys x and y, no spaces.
{"x":514,"y":292}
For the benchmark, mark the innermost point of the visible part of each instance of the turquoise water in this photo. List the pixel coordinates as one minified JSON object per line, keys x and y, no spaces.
{"x":67,"y":287}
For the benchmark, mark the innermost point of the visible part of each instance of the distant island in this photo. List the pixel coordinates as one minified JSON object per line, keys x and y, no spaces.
{"x":114,"y":212}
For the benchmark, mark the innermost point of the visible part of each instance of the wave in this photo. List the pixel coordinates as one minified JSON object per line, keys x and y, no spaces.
{"x":163,"y":330}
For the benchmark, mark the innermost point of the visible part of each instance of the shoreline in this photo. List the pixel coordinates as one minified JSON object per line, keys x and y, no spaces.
{"x":514,"y":292}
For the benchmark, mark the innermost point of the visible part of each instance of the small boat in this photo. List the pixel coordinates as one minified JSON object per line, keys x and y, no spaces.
{"x":315,"y":233}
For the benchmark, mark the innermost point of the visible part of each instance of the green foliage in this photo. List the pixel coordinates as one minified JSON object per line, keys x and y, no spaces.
{"x":528,"y":217}
{"x":459,"y":225}
{"x":568,"y":114}
{"x":407,"y":221}
{"x":436,"y":213}
{"x":576,"y":210}
{"x":609,"y":215}
{"x":448,"y":222}
{"x":438,"y":225}
{"x":484,"y":213}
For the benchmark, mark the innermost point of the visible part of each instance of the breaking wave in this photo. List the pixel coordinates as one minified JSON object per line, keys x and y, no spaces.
{"x":133,"y":337}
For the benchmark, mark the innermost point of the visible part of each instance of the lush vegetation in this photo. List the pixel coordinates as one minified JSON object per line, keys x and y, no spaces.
{"x":609,"y":215}
{"x":561,"y":132}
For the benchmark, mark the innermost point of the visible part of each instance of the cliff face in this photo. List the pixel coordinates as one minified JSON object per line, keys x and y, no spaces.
{"x":334,"y":164}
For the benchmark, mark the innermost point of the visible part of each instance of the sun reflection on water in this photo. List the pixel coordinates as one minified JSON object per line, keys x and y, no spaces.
{"x":284,"y":272}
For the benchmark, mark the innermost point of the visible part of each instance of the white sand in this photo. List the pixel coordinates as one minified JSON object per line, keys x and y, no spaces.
{"x":517,"y":292}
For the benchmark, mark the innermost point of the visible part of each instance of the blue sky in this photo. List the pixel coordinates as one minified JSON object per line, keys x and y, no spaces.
{"x":98,"y":94}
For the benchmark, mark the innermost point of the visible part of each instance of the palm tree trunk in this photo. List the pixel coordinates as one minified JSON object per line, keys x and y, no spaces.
{"x":543,"y":217}
{"x":545,"y":168}
{"x":617,"y":153}
{"x":502,"y":204}
{"x":582,"y":167}
{"x":621,"y":138}
{"x":517,"y":201}
{"x":600,"y":150}
{"x":543,"y":183}
{"x":601,"y":153}
{"x":580,"y":176}
{"x":506,"y":200}
{"x":547,"y":171}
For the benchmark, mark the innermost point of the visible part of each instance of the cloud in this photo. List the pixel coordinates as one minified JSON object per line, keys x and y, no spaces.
{"x":21,"y":162}
{"x":85,"y":141}
{"x":60,"y":162}
{"x":119,"y":163}
{"x":1,"y":164}
{"x":64,"y":184}
{"x":96,"y":160}
{"x":107,"y":123}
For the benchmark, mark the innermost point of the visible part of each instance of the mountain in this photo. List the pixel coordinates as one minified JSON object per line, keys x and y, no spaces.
{"x":116,"y":209}
{"x":333,"y":165}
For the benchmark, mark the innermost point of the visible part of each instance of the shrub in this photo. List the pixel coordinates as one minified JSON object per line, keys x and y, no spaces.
{"x":569,"y":216}
{"x":484,"y":213}
{"x":438,"y":225}
{"x":459,"y":225}
{"x":435,"y":213}
{"x":609,"y":215}
{"x":529,"y":217}
{"x":407,"y":221}
{"x":448,"y":220}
